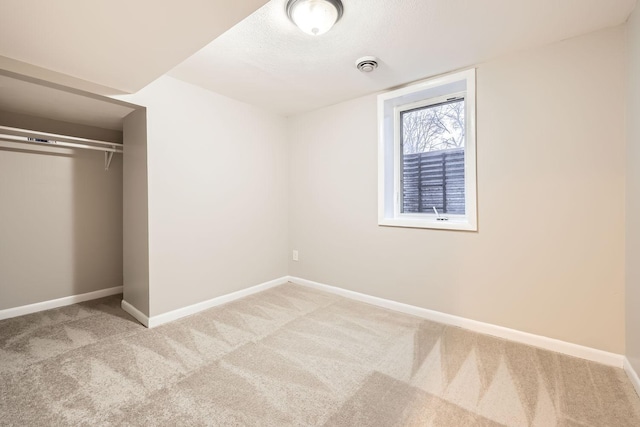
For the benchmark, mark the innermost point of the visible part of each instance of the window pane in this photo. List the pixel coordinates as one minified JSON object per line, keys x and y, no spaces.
{"x":433,"y":140}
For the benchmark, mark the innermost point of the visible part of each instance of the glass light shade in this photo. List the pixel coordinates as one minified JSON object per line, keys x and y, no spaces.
{"x":314,"y":17}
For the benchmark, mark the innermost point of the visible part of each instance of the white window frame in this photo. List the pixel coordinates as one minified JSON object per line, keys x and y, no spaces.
{"x":390,"y":105}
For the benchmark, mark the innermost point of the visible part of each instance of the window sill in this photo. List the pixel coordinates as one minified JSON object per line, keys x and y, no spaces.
{"x":459,"y":224}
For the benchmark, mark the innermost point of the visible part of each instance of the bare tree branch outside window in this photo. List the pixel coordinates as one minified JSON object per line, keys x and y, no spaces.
{"x":433,"y":128}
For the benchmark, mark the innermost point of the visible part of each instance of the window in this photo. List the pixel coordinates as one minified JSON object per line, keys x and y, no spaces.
{"x":426,"y":175}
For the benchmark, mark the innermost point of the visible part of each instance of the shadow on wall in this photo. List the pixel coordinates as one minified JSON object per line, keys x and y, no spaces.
{"x":96,"y":222}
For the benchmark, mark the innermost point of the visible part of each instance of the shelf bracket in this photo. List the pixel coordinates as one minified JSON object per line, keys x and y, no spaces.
{"x":108,"y":156}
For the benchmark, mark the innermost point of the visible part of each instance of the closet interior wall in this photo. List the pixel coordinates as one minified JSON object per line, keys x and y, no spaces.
{"x":60,"y":215}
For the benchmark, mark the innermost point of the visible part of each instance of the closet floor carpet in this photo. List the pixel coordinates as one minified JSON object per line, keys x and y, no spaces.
{"x":291,"y":356}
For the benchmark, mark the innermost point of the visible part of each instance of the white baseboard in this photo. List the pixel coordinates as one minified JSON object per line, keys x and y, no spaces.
{"x":546,"y":343}
{"x":632,"y":374}
{"x":59,"y":302}
{"x":153,"y":321}
{"x":137,"y":314}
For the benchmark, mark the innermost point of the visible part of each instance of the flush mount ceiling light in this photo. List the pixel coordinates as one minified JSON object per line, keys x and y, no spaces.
{"x":314,"y":17}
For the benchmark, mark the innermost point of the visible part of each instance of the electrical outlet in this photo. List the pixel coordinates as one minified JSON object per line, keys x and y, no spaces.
{"x":295,"y":255}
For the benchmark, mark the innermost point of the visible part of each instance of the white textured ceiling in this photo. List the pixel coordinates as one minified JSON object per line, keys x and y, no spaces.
{"x":120,"y":44}
{"x":266,"y":61}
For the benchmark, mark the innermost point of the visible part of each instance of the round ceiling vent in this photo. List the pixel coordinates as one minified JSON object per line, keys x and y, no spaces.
{"x":367,"y":64}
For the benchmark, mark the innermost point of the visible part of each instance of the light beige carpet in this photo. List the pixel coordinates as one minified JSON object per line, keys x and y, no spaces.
{"x":291,"y":356}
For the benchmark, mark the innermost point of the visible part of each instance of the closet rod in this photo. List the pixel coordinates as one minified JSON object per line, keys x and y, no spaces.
{"x":5,"y":130}
{"x":63,"y":144}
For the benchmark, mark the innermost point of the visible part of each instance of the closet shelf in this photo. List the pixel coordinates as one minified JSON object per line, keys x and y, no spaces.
{"x":24,"y":136}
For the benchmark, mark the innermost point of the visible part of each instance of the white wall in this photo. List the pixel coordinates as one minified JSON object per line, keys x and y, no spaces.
{"x":633,"y":193}
{"x":60,"y":220}
{"x":549,"y":254}
{"x":217,"y":194}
